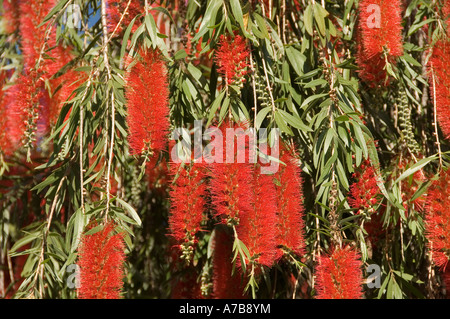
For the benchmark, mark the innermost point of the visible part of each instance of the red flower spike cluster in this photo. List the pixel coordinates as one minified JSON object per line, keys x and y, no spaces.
{"x":115,"y":10}
{"x":289,"y":197}
{"x":373,"y":41}
{"x":32,"y":14}
{"x":232,"y":58}
{"x":11,"y":15}
{"x":101,"y":259}
{"x":225,"y":286}
{"x":446,"y":14}
{"x":439,"y":69}
{"x":230,"y":183}
{"x":364,"y":191}
{"x":20,"y":99}
{"x":437,"y":219}
{"x":257,"y":227}
{"x":148,"y":105}
{"x":187,"y":204}
{"x":5,"y":143}
{"x":339,"y":275}
{"x":28,"y":102}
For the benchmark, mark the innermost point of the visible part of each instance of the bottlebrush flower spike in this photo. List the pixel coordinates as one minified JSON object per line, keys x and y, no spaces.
{"x":339,"y":275}
{"x":11,"y":15}
{"x":25,"y":103}
{"x":101,"y":259}
{"x":437,"y":219}
{"x":115,"y":9}
{"x":230,"y":181}
{"x":32,"y":13}
{"x":225,"y":286}
{"x":439,"y":80}
{"x":289,"y":198}
{"x":446,"y":14}
{"x":187,"y":195}
{"x":147,"y":95}
{"x":383,"y":32}
{"x":364,"y":191}
{"x":379,"y":32}
{"x":6,"y":147}
{"x":232,"y":58}
{"x":257,"y":228}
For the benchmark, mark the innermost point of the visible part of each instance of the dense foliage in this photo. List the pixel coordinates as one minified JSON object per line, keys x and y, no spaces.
{"x":92,"y":90}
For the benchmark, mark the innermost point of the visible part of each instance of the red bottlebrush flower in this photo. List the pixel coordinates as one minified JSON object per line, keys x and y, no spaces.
{"x":230,"y":180}
{"x":446,"y":14}
{"x":6,"y":147}
{"x":437,"y":219}
{"x":25,"y":101}
{"x":379,"y":31}
{"x":188,"y":200}
{"x":101,"y":259}
{"x":147,"y":95}
{"x":339,"y":275}
{"x":257,"y":227}
{"x":231,"y":57}
{"x":11,"y":15}
{"x":186,"y":285}
{"x":116,"y":8}
{"x":225,"y":286}
{"x":289,"y":193}
{"x":32,"y":13}
{"x":372,"y":70}
{"x":388,"y":34}
{"x":364,"y":191}
{"x":439,"y":79}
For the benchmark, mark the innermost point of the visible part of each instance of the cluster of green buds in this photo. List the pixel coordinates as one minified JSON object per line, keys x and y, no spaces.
{"x":404,"y":117}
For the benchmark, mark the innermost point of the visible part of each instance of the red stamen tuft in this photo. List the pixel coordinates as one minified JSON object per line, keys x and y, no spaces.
{"x":231,"y":57}
{"x":188,"y":201}
{"x":257,"y":227}
{"x":101,"y":259}
{"x":339,"y":275}
{"x":147,"y":95}
{"x":289,"y":193}
{"x":373,"y":39}
{"x":364,"y":191}
{"x":225,"y":286}
{"x":437,"y":219}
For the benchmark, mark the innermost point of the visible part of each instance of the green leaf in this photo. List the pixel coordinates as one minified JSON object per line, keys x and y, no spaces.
{"x":308,"y":19}
{"x":282,"y":124}
{"x":294,"y":121}
{"x":125,"y":38}
{"x":24,"y":240}
{"x":61,"y":4}
{"x":261,"y":116}
{"x":417,"y":166}
{"x":296,"y":58}
{"x":131,"y":211}
{"x":416,"y":27}
{"x":319,"y":15}
{"x":261,"y":22}
{"x":237,"y":13}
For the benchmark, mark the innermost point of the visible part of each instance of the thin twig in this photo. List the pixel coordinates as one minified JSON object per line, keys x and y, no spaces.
{"x":113,"y":110}
{"x":435,"y":120}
